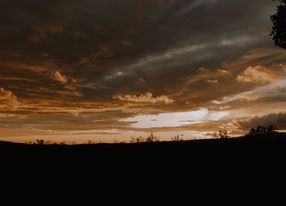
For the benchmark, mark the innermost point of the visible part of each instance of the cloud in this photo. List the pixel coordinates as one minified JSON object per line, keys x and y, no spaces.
{"x":258,"y":74}
{"x":202,"y":74}
{"x":176,"y":119}
{"x":223,"y":72}
{"x":198,"y":3}
{"x":282,"y":67}
{"x":7,"y":98}
{"x":277,"y":119}
{"x":15,"y":79}
{"x":212,"y":81}
{"x":37,"y":67}
{"x":271,"y":91}
{"x":261,"y":56}
{"x":43,"y":31}
{"x":6,"y":116}
{"x":145,"y":98}
{"x":59,"y":77}
{"x":70,"y":84}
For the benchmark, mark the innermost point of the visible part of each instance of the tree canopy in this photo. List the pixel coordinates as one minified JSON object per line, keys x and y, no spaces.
{"x":279,"y":25}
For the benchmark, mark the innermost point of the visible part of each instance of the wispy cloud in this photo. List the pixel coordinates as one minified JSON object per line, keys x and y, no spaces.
{"x":59,"y":77}
{"x":145,"y":98}
{"x":41,"y":32}
{"x":69,"y":83}
{"x":277,"y":89}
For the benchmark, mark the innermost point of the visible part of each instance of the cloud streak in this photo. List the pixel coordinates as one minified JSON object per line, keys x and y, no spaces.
{"x":59,"y":77}
{"x":178,"y":119}
{"x":275,"y":90}
{"x":145,"y":98}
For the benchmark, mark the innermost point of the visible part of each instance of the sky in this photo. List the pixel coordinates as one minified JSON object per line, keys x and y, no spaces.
{"x":108,"y":70}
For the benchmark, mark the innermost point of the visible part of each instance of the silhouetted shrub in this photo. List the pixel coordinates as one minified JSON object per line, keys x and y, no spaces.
{"x":152,"y":138}
{"x":261,"y":130}
{"x":40,"y":142}
{"x":137,"y":140}
{"x":177,"y":138}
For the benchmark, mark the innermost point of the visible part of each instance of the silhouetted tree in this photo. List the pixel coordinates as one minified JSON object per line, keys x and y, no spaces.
{"x":261,"y":130}
{"x":252,"y":132}
{"x":279,"y":25}
{"x":272,"y":129}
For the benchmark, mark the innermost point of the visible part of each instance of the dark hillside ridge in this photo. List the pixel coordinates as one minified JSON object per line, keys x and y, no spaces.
{"x":251,"y":143}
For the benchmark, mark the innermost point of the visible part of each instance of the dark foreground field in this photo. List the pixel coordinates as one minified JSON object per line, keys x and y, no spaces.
{"x":263,"y":146}
{"x":194,"y":163}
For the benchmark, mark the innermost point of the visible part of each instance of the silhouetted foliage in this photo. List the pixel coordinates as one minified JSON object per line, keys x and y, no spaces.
{"x":137,"y":140}
{"x":261,"y":130}
{"x":222,"y":134}
{"x":90,"y":142}
{"x":279,"y":25}
{"x":40,"y":142}
{"x":177,"y":138}
{"x":152,"y":138}
{"x":272,"y":129}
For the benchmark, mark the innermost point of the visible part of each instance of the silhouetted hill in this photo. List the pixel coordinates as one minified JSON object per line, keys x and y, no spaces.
{"x":196,"y":161}
{"x":168,"y":149}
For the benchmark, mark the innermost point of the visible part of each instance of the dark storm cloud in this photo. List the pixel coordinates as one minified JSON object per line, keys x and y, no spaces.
{"x":121,"y":31}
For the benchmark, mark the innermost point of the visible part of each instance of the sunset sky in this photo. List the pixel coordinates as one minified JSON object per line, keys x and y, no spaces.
{"x":106,"y":70}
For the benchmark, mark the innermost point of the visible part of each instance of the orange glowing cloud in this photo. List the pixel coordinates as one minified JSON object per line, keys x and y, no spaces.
{"x":7,"y":98}
{"x":258,"y":74}
{"x":59,"y":77}
{"x":145,"y":98}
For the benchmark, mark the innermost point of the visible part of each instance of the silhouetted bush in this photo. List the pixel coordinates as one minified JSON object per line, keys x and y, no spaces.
{"x":91,"y":142}
{"x":137,"y":140}
{"x":152,"y":138}
{"x":40,"y":142}
{"x":261,"y":130}
{"x":177,"y":138}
